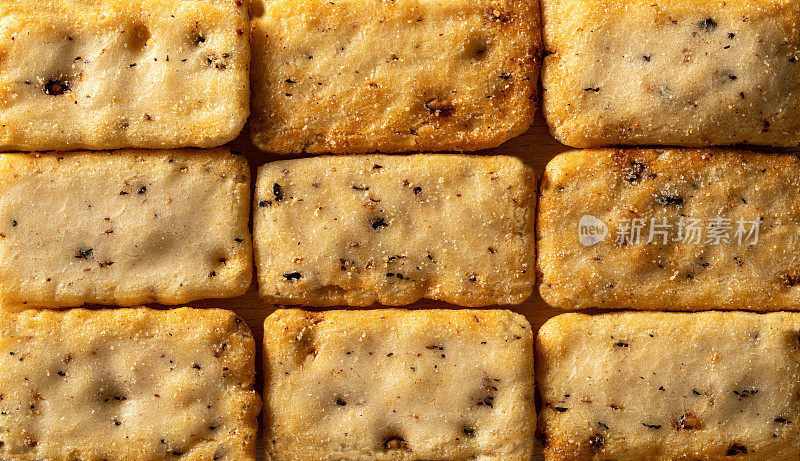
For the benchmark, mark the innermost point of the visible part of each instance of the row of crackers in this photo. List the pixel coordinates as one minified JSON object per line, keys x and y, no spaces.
{"x":355,"y":77}
{"x":390,"y":384}
{"x":652,"y":229}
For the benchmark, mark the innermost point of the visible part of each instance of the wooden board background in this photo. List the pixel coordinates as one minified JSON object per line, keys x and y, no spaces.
{"x":536,"y":147}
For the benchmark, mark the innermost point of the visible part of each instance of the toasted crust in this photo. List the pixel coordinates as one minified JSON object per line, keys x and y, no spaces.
{"x":407,"y":75}
{"x":666,"y":386}
{"x":753,"y":192}
{"x":127,"y":384}
{"x":398,"y":385}
{"x":108,"y":74}
{"x":123,"y":228}
{"x":672,"y":72}
{"x":394,"y":229}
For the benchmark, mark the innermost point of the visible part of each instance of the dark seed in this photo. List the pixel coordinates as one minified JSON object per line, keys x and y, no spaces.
{"x":736,"y":449}
{"x":340,"y":402}
{"x":707,"y":25}
{"x":84,"y":253}
{"x":378,"y":223}
{"x":652,"y":426}
{"x":55,"y":87}
{"x":277,"y":192}
{"x":395,"y":443}
{"x":637,"y":169}
{"x":142,"y":190}
{"x":689,"y":422}
{"x":667,"y":200}
{"x":292,"y":276}
{"x":440,"y":107}
{"x":597,"y":442}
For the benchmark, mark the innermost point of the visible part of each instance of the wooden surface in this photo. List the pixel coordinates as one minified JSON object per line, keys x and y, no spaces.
{"x":536,"y":148}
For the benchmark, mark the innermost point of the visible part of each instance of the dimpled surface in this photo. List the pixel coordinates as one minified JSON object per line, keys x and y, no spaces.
{"x":394,"y":229}
{"x":123,"y":228}
{"x":108,"y":74}
{"x":672,"y":72}
{"x":666,"y":386}
{"x":127,"y":384}
{"x":750,"y":266}
{"x":355,"y":77}
{"x":398,"y":385}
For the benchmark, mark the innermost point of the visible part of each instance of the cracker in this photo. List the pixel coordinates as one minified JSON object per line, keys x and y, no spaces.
{"x":394,"y":229}
{"x":108,"y":74}
{"x":123,"y":228}
{"x":127,"y":384}
{"x":676,"y":229}
{"x":665,"y":386}
{"x":358,"y":77}
{"x":395,"y":384}
{"x":672,"y":72}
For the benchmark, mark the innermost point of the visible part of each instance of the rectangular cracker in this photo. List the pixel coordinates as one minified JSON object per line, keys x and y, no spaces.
{"x":684,"y":203}
{"x":395,"y":384}
{"x":665,"y":386}
{"x":395,"y":229}
{"x":408,"y":75}
{"x":108,"y":74}
{"x":127,"y":384}
{"x":672,"y":72}
{"x":123,"y":228}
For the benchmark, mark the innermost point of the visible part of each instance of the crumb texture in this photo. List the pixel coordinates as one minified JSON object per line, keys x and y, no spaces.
{"x":394,"y":229}
{"x":672,"y":72}
{"x":685,"y":229}
{"x":127,"y":384}
{"x":665,"y":386}
{"x":124,"y":228}
{"x":408,"y":75}
{"x":108,"y":74}
{"x":398,"y":385}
